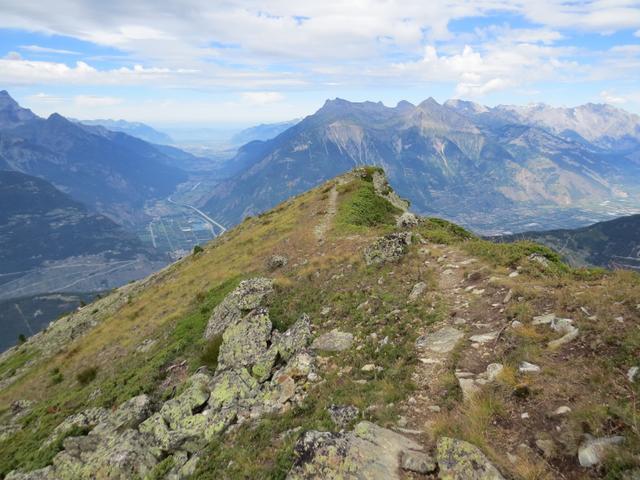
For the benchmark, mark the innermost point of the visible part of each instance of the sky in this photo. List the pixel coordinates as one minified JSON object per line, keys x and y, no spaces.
{"x":241,"y":62}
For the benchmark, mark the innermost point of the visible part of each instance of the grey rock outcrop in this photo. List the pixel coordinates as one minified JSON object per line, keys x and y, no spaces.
{"x":250,"y":294}
{"x":275,"y":262}
{"x":342,"y":415}
{"x":368,"y":452}
{"x":389,"y":248}
{"x":593,"y":450}
{"x":259,"y":371}
{"x":407,"y":220}
{"x":440,"y":341}
{"x":333,"y":341}
{"x":458,"y":460}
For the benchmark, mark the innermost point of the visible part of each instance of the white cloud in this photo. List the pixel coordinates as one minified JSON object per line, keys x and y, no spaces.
{"x":39,"y":49}
{"x":91,"y":101}
{"x":500,"y":67}
{"x":44,"y":98}
{"x":637,"y":34}
{"x":610,"y":97}
{"x":262,"y":98}
{"x":264,"y":47}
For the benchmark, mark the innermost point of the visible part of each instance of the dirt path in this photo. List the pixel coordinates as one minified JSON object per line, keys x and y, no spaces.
{"x":332,"y":202}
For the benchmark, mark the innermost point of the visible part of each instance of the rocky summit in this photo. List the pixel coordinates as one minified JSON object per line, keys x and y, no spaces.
{"x":337,"y":336}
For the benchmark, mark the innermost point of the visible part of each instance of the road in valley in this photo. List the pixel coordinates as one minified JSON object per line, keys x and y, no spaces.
{"x":207,"y":218}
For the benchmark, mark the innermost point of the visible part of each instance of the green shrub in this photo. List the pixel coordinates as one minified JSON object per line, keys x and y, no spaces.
{"x":365,"y":208}
{"x":56,"y":376}
{"x":87,"y":375}
{"x":197,"y":249}
{"x":438,"y":230}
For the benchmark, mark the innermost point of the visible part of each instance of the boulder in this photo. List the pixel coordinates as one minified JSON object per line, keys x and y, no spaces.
{"x":45,"y":473}
{"x":294,"y":339}
{"x":275,"y":262}
{"x":407,"y":220}
{"x":192,"y":399}
{"x":87,"y":420}
{"x":459,"y":460}
{"x":231,"y":386}
{"x":369,"y":451}
{"x":417,"y":290}
{"x":128,"y":454}
{"x":418,"y":462}
{"x":128,"y":415}
{"x":343,"y":415}
{"x":526,"y":367}
{"x":389,"y":248}
{"x":593,"y":450}
{"x":333,"y":341}
{"x":440,"y":341}
{"x":249,"y":294}
{"x":540,"y":259}
{"x":245,"y":344}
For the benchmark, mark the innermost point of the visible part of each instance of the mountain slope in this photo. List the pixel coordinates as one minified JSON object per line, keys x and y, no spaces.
{"x":612,"y":244}
{"x":112,"y":173}
{"x":602,"y":125}
{"x":134,"y":129}
{"x":349,"y":334}
{"x":440,"y":157}
{"x":51,"y":243}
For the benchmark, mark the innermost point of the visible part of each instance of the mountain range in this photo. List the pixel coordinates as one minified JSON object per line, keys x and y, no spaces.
{"x":52,"y":243}
{"x":134,"y":129}
{"x":460,"y":160}
{"x":110,"y":172}
{"x":264,"y":131}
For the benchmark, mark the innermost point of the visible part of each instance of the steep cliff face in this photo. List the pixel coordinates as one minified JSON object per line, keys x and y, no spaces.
{"x":335,"y":336}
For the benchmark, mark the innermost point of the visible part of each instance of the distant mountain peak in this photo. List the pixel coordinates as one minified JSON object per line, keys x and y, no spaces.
{"x":11,"y":113}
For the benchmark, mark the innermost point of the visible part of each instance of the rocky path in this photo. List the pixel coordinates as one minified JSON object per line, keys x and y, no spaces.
{"x":469,"y":333}
{"x":332,"y":203}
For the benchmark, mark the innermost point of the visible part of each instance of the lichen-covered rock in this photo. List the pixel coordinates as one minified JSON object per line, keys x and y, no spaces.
{"x":333,"y":341}
{"x":368,"y":452}
{"x":276,"y":261}
{"x":231,"y":386}
{"x":418,"y":462}
{"x":460,"y":460}
{"x":407,"y":220}
{"x":294,"y":339}
{"x":383,"y":189}
{"x":87,"y":419}
{"x":343,"y":415}
{"x":245,"y":344}
{"x":540,"y":259}
{"x":249,"y":295}
{"x":122,"y":456}
{"x":193,"y":398}
{"x":128,"y":415}
{"x":300,"y":366}
{"x":389,"y":248}
{"x":45,"y":473}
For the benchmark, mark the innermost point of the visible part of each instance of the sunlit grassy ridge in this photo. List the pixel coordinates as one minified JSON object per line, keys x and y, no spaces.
{"x":170,"y":312}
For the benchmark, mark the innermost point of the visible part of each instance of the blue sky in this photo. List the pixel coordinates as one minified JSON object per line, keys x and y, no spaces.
{"x":240,"y":62}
